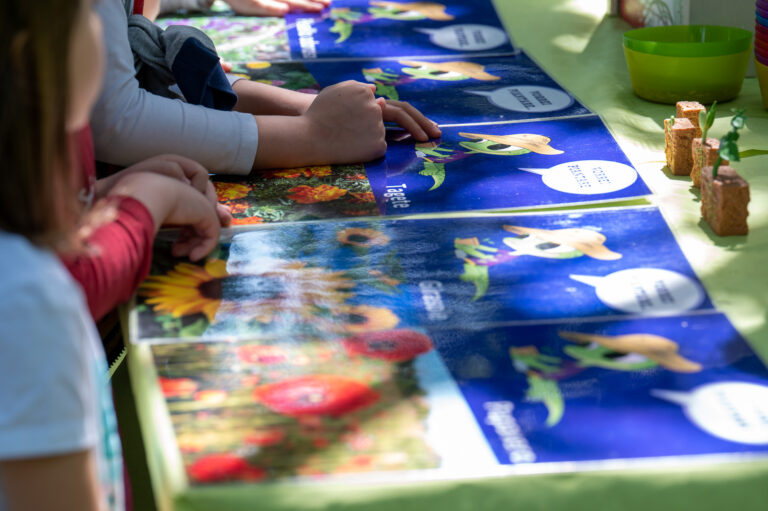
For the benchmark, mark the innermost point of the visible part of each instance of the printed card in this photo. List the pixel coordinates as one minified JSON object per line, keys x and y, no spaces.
{"x":331,"y":278}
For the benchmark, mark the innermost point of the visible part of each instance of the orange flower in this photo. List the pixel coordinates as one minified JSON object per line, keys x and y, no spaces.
{"x":317,"y":171}
{"x":237,"y":207}
{"x":251,"y":220}
{"x":231,"y":191}
{"x":309,"y":195}
{"x":363,"y":197}
{"x":357,"y":177}
{"x":362,"y":212}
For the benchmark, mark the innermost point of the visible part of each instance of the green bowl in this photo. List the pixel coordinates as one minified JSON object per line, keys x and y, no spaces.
{"x":687,"y":62}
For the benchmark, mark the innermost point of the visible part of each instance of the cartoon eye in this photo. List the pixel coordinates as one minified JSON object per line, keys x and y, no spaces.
{"x":445,"y":74}
{"x":547,"y":245}
{"x":621,"y":358}
{"x":478,"y":140}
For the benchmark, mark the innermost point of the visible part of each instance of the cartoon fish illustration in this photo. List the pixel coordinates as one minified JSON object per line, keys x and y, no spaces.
{"x":628,"y":352}
{"x":508,"y":145}
{"x":559,"y":243}
{"x":409,"y":11}
{"x":446,"y":71}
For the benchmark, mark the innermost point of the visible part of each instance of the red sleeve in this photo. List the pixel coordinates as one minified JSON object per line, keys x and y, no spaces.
{"x":118,"y":258}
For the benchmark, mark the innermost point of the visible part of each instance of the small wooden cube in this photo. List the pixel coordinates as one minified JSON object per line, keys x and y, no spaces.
{"x":724,"y":200}
{"x":678,"y":142}
{"x":690,"y":110}
{"x":704,"y":157}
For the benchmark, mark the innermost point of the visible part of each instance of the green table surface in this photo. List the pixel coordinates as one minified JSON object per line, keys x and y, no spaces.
{"x":580,"y":46}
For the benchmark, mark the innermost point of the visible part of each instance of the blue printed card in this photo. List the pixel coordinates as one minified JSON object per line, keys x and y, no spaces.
{"x":460,"y":90}
{"x":517,"y":165}
{"x":326,"y":278}
{"x":382,"y":28}
{"x":611,"y":390}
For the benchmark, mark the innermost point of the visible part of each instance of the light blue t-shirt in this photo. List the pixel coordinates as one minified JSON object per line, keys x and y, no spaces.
{"x":54,"y":393}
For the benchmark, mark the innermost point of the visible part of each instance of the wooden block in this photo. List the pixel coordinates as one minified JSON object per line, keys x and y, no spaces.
{"x":690,"y":110}
{"x":724,"y":200}
{"x":704,"y":158}
{"x":677,"y":148}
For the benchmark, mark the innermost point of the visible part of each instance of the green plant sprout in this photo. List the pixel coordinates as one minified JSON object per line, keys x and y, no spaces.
{"x":670,"y":124}
{"x":706,"y":120}
{"x":729,"y":150}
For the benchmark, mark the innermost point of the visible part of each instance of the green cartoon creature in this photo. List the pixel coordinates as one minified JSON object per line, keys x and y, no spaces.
{"x":630,"y":353}
{"x":435,"y":156}
{"x":544,"y":243}
{"x":387,"y":80}
{"x":344,"y":18}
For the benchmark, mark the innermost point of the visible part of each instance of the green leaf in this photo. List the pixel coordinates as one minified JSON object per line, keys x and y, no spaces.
{"x":478,"y":275}
{"x":753,"y":152}
{"x":436,"y":171}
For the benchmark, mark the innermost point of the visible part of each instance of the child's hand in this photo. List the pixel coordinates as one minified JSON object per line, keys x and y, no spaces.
{"x":173,"y":203}
{"x":413,"y":121}
{"x":345,"y":123}
{"x":276,"y":7}
{"x":176,"y":167}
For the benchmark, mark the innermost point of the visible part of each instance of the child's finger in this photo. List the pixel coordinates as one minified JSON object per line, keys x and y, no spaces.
{"x":225,"y":215}
{"x":403,"y":119}
{"x":305,"y":5}
{"x":429,"y":126}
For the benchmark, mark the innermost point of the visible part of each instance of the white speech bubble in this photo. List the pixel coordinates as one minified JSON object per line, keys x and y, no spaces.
{"x":646,"y":290}
{"x":587,"y":177}
{"x":527,"y":98}
{"x":735,"y":411}
{"x":466,"y":37}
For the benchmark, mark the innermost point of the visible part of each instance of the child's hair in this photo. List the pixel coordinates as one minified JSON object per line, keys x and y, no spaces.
{"x":37,"y":187}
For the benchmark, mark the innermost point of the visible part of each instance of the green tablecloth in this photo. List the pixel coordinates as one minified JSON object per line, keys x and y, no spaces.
{"x":581,"y":48}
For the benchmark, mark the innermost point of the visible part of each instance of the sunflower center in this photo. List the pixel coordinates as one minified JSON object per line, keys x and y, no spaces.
{"x":242,"y":288}
{"x":358,"y":238}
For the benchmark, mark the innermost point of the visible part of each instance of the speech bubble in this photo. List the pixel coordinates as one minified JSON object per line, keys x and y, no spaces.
{"x":735,"y":411}
{"x":646,"y":290}
{"x":587,"y":177}
{"x":527,"y":98}
{"x":466,"y":37}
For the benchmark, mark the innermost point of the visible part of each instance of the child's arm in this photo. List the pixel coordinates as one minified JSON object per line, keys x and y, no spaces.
{"x":65,"y":483}
{"x":120,"y":249}
{"x":262,"y":99}
{"x":130,"y":124}
{"x":344,"y":124}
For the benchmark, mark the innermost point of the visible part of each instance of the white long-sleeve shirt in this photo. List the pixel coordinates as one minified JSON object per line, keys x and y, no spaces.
{"x":131,"y":124}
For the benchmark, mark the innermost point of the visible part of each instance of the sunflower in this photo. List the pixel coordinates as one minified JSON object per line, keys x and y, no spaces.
{"x":365,"y":318}
{"x":289,"y":288}
{"x":182,"y":291}
{"x":362,"y":237}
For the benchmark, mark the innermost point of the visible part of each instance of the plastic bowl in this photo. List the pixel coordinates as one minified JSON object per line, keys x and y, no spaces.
{"x":762,"y":78}
{"x":687,"y":62}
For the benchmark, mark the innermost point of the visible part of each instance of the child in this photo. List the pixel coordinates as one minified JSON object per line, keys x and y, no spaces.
{"x":58,"y":445}
{"x":271,"y":127}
